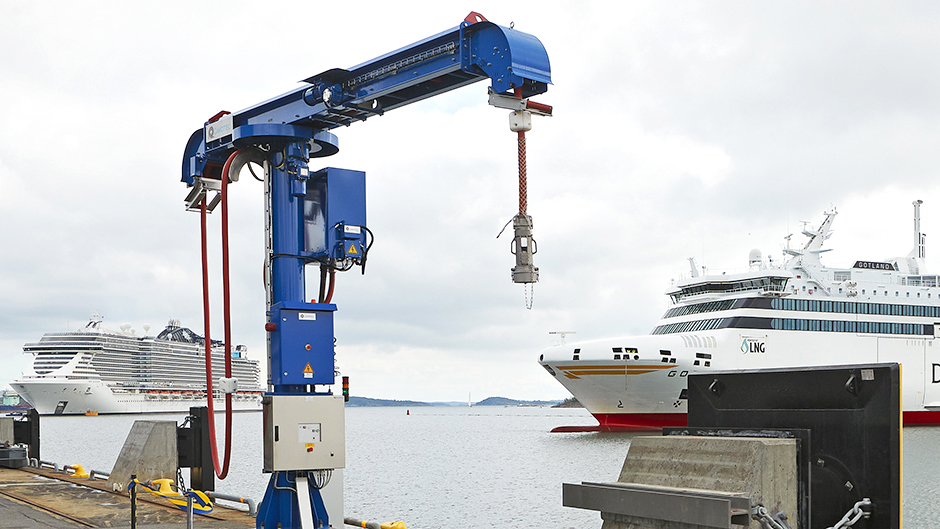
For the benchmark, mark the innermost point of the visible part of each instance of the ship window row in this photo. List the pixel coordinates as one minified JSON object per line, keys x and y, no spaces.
{"x":688,"y":326}
{"x":919,"y":281}
{"x":698,"y":308}
{"x":770,"y":284}
{"x":846,"y":307}
{"x":794,"y":324}
{"x":862,"y":327}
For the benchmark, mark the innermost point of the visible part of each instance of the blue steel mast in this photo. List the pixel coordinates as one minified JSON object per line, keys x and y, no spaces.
{"x":319,"y":217}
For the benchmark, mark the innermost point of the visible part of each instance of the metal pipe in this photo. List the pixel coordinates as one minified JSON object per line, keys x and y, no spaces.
{"x":375,"y":525}
{"x":133,"y":494}
{"x":252,"y":507}
{"x":362,"y":523}
{"x":94,"y":474}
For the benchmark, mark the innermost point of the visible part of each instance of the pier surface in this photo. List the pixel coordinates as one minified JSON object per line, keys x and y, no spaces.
{"x":40,"y":498}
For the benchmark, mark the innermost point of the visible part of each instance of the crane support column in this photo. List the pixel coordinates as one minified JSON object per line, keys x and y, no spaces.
{"x":288,"y":173}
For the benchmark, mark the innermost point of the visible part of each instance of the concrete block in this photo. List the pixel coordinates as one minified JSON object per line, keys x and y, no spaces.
{"x":6,"y":430}
{"x":762,"y":469}
{"x":149,"y":452}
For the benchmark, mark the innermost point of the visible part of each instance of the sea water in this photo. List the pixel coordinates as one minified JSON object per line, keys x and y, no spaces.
{"x":453,"y":467}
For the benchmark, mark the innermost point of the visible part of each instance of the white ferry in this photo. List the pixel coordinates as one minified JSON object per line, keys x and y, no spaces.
{"x":95,"y":371}
{"x":798,"y":313}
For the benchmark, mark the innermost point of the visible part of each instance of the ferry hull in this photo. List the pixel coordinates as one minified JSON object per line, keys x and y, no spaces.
{"x":640,"y":422}
{"x":54,"y":397}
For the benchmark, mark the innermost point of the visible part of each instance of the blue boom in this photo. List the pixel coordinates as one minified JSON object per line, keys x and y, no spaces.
{"x":466,"y":54}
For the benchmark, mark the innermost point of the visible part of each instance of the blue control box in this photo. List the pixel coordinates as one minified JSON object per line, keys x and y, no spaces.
{"x":335,"y":214}
{"x":301,"y":349}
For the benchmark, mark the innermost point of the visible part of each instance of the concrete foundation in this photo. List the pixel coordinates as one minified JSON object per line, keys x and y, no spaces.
{"x":762,"y":469}
{"x":149,"y":452}
{"x":6,"y":430}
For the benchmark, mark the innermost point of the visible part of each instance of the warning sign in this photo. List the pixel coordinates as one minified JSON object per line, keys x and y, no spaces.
{"x":352,"y":249}
{"x":308,"y":371}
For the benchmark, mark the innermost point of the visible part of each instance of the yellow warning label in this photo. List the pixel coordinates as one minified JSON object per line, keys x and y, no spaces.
{"x":308,"y":369}
{"x":352,"y":249}
{"x":309,"y":445}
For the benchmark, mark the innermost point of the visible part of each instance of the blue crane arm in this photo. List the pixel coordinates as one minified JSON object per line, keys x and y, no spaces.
{"x":463,"y":55}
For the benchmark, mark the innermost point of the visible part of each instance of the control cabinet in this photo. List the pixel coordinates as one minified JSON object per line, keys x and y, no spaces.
{"x":301,"y":350}
{"x":304,"y":432}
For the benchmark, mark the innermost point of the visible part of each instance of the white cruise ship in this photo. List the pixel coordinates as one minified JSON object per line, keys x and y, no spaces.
{"x":795,"y":313}
{"x":96,"y":371}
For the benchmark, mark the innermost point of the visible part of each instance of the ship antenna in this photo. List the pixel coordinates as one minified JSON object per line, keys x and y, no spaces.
{"x":919,"y":238}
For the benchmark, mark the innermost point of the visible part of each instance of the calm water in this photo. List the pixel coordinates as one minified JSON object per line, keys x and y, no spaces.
{"x":453,"y":468}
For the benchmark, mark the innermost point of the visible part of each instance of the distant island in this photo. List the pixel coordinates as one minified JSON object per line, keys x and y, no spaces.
{"x":570,"y":402}
{"x":365,"y":402}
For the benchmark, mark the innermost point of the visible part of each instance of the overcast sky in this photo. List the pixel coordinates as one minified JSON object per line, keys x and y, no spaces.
{"x":681,"y":129}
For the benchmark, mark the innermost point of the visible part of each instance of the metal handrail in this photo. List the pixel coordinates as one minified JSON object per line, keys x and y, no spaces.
{"x":252,"y":507}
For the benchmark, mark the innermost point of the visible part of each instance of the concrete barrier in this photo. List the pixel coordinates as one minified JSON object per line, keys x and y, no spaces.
{"x":149,"y":452}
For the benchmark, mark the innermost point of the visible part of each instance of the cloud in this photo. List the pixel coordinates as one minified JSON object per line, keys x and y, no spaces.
{"x":680,"y":130}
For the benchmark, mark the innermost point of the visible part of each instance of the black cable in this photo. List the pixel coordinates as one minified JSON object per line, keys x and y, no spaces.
{"x":252,"y":171}
{"x":365,"y":252}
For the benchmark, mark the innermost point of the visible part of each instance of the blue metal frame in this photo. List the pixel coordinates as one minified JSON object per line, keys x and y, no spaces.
{"x":279,"y":506}
{"x":292,"y":128}
{"x":440,"y":63}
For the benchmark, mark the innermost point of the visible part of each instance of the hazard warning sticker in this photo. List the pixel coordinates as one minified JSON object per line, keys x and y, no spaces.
{"x":352,"y":250}
{"x":308,"y":371}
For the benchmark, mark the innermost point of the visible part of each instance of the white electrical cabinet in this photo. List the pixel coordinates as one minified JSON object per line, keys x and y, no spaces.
{"x":304,"y":432}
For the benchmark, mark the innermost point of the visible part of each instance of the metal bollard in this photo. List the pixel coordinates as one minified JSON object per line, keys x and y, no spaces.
{"x":133,"y":493}
{"x":189,"y":511}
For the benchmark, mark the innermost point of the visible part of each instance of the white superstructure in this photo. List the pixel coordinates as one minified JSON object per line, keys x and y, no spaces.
{"x":798,"y":313}
{"x":95,"y":371}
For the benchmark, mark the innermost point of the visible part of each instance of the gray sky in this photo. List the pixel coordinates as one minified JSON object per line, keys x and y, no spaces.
{"x":682,"y":129}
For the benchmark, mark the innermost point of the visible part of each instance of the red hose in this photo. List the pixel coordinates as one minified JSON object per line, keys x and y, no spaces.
{"x":329,"y":293}
{"x":523,"y":190}
{"x":226,"y":310}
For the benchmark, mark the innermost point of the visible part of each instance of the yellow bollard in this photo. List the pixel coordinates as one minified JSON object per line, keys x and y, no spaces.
{"x":79,"y":472}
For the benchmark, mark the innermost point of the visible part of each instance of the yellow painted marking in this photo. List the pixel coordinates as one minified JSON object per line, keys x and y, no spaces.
{"x":352,"y":249}
{"x":576,"y":372}
{"x":309,"y":445}
{"x":308,"y":369}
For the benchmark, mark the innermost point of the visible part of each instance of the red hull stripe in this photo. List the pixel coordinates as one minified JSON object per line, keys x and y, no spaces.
{"x":631,"y":422}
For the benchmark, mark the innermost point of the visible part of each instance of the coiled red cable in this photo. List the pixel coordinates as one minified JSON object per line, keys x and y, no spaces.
{"x":220,"y":470}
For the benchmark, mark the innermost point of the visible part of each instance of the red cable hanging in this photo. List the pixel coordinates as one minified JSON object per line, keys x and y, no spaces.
{"x":523,"y":191}
{"x":226,"y":310}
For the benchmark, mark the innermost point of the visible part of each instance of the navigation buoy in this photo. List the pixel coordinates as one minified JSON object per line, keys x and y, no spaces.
{"x":407,"y":412}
